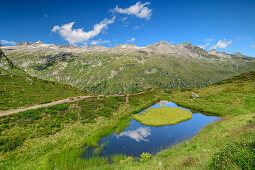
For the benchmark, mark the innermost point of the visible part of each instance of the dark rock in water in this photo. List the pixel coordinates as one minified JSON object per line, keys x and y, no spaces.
{"x":23,"y":43}
{"x":194,"y":95}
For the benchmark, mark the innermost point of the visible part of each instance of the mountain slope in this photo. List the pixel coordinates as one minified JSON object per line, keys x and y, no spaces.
{"x":233,"y":96}
{"x":7,"y":66}
{"x":18,"y":89}
{"x":128,"y":68}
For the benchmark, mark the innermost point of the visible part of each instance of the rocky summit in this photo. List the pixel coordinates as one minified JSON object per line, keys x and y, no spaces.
{"x":127,"y":67}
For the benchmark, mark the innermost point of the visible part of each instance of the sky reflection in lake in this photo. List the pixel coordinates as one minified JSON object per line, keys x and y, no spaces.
{"x":138,"y":138}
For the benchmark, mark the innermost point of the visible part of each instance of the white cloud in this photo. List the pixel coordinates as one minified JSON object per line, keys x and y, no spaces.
{"x":140,"y":10}
{"x":208,"y":42}
{"x":205,"y":45}
{"x":100,"y":41}
{"x":124,"y":19}
{"x":244,"y":38}
{"x":136,"y":27}
{"x":45,"y":15}
{"x":210,"y":39}
{"x":138,"y":135}
{"x":131,"y":40}
{"x":253,"y":46}
{"x":222,"y":44}
{"x":5,"y":42}
{"x":74,"y":36}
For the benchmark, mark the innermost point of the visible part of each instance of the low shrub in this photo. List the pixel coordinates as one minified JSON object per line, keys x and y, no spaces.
{"x":236,"y":155}
{"x":145,"y":156}
{"x":11,"y":142}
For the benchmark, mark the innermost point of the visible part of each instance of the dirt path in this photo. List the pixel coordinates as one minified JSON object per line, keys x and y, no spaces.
{"x":70,"y":99}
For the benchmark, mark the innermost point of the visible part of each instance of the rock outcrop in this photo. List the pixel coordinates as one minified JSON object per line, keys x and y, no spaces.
{"x":194,"y":95}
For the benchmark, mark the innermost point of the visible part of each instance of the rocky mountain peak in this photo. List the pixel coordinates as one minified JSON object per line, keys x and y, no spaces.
{"x":68,"y":46}
{"x":23,"y":43}
{"x":39,"y":42}
{"x":96,"y":47}
{"x":162,"y":42}
{"x":238,"y":54}
{"x":212,"y":50}
{"x":128,"y":45}
{"x":187,"y":45}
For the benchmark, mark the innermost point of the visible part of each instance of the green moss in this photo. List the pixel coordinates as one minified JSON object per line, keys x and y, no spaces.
{"x":163,"y":116}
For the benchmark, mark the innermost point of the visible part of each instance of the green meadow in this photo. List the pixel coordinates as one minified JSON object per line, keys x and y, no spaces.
{"x":55,"y":137}
{"x":23,"y":90}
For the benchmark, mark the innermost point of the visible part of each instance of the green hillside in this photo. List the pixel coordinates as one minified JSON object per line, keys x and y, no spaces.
{"x":233,"y":96}
{"x":18,"y":89}
{"x":54,"y":137}
{"x":39,"y":138}
{"x":126,"y":70}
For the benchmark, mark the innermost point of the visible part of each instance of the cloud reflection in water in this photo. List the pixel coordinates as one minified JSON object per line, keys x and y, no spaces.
{"x":139,"y":134}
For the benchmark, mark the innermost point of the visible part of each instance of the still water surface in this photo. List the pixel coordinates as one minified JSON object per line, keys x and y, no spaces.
{"x":138,"y":138}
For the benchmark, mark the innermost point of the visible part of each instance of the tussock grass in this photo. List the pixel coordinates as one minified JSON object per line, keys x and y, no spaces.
{"x":234,"y":100}
{"x":163,"y":116}
{"x":82,"y":124}
{"x":20,"y":91}
{"x":233,"y":96}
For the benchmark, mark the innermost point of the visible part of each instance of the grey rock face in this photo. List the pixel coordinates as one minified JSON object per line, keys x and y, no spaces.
{"x":194,"y":95}
{"x":39,"y":42}
{"x":238,"y":54}
{"x":23,"y":43}
{"x":187,"y":45}
{"x":5,"y":63}
{"x":68,"y":46}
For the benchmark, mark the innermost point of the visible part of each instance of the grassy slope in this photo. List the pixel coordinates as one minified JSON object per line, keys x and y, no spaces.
{"x":18,"y":89}
{"x":134,"y":72}
{"x":21,"y":91}
{"x":233,"y":96}
{"x":238,"y":125}
{"x":53,"y":137}
{"x":235,"y":99}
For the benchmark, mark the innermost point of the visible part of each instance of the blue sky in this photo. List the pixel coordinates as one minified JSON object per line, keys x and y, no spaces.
{"x":227,"y":25}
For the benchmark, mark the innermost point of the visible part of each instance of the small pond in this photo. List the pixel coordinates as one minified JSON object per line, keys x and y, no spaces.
{"x":138,"y":138}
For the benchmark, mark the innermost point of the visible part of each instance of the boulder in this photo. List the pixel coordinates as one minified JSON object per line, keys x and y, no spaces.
{"x":194,"y":95}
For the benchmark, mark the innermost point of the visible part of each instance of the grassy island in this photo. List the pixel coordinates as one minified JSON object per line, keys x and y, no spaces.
{"x":163,"y":116}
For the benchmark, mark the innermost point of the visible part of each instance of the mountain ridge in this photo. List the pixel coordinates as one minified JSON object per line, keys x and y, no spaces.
{"x":127,"y":68}
{"x":159,"y":44}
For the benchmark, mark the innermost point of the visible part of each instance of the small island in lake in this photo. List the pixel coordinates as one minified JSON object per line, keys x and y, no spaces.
{"x":163,"y":116}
